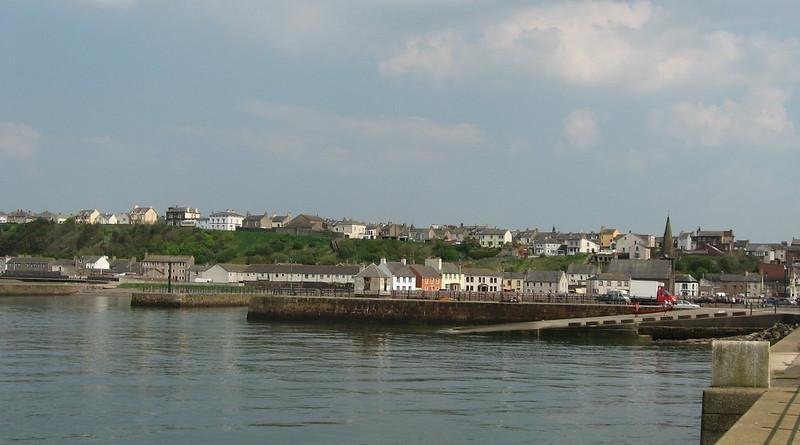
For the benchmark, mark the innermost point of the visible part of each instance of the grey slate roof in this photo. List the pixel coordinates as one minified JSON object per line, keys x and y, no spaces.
{"x":482,"y":272}
{"x":642,"y":269}
{"x":372,"y":271}
{"x":398,"y":269}
{"x":425,"y":271}
{"x":312,"y":269}
{"x":450,"y":268}
{"x":547,"y":276}
{"x":582,"y":269}
{"x":514,"y":275}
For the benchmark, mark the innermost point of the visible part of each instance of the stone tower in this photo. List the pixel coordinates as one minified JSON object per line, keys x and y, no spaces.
{"x":667,"y":245}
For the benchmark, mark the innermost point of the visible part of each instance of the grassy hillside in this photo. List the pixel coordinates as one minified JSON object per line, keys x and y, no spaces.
{"x":69,"y":239}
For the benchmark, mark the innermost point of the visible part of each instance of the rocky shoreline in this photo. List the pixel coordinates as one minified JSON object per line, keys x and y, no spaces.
{"x":773,"y":335}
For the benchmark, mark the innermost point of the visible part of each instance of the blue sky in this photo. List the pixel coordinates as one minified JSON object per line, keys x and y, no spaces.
{"x":518,"y":114}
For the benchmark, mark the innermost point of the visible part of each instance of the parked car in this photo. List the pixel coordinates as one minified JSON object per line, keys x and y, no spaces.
{"x":683,"y":304}
{"x":774,"y":301}
{"x":614,"y":298}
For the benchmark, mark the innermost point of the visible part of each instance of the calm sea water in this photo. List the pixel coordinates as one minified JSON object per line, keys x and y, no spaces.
{"x":93,"y":370}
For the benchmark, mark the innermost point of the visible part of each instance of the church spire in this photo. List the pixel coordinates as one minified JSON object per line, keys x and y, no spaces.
{"x":667,"y":246}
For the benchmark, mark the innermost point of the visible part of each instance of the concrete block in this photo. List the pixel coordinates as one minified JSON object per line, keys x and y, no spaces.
{"x":684,"y":317}
{"x":574,"y":324}
{"x":666,"y":318}
{"x":701,"y":316}
{"x":627,"y":320}
{"x":648,"y":319}
{"x":730,"y":400}
{"x":609,"y":322}
{"x":740,"y":364}
{"x":740,"y":313}
{"x":592,"y":323}
{"x":720,"y":314}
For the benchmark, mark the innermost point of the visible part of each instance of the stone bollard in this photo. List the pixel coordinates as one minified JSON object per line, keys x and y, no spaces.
{"x":739,"y":376}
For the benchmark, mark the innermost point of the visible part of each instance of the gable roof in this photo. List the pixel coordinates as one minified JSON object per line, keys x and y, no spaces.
{"x":482,"y":272}
{"x":397,"y":269}
{"x":547,"y":276}
{"x":642,"y":269}
{"x":312,"y":269}
{"x":372,"y":271}
{"x":425,"y":271}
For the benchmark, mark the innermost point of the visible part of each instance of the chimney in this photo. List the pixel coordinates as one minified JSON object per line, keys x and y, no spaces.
{"x":402,"y":261}
{"x":383,"y":260}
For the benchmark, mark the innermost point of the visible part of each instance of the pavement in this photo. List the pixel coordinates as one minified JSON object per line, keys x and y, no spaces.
{"x":610,"y":321}
{"x":775,"y":417}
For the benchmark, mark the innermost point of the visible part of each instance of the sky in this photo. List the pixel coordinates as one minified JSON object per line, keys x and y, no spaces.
{"x":513,"y":114}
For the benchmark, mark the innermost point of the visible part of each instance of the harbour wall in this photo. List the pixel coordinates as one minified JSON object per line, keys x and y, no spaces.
{"x":15,"y":289}
{"x":183,"y":300}
{"x":384,"y":310}
{"x":713,"y":327}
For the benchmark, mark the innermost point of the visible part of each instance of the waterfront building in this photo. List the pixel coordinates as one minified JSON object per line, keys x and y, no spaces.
{"x":426,"y":277}
{"x":732,"y":285}
{"x":546,"y":282}
{"x":686,"y":286}
{"x":157,"y":267}
{"x":87,"y":216}
{"x":181,"y":216}
{"x":227,"y":220}
{"x":482,"y":280}
{"x":302,"y":275}
{"x":221,"y":273}
{"x":143,"y":215}
{"x":577,"y":274}
{"x":96,"y":263}
{"x":514,"y":282}
{"x":603,"y":283}
{"x":452,"y":278}
{"x":31,"y":267}
{"x":372,"y":280}
{"x":403,"y":279}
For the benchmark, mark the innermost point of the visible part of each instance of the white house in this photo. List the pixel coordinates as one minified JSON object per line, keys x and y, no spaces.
{"x":578,"y":274}
{"x":483,"y":280}
{"x":98,"y":263}
{"x":546,"y":247}
{"x":123,"y":218}
{"x":227,"y":220}
{"x":223,"y":273}
{"x":601,"y":284}
{"x":452,"y":277}
{"x":351,"y":229}
{"x":3,"y":218}
{"x":686,"y":286}
{"x":493,"y":237}
{"x":87,"y":216}
{"x":403,"y":277}
{"x":635,"y":246}
{"x":107,"y":218}
{"x":685,"y":241}
{"x":581,"y":245}
{"x":551,"y":282}
{"x":372,"y":232}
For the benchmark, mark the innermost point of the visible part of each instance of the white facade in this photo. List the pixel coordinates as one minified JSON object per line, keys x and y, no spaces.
{"x":108,"y":218}
{"x":483,"y":280}
{"x":685,"y":241}
{"x":351,"y":229}
{"x":100,"y":263}
{"x":227,"y":220}
{"x":546,"y":247}
{"x":123,"y":218}
{"x":3,"y":218}
{"x":300,"y":273}
{"x":581,"y":245}
{"x":602,"y":284}
{"x":494,"y":237}
{"x":223,"y":273}
{"x":633,"y":245}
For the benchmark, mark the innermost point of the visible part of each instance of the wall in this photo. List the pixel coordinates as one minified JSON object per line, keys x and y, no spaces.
{"x":424,"y":311}
{"x":34,"y":289}
{"x":178,"y":300}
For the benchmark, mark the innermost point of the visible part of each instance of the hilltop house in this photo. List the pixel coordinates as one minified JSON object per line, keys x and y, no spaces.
{"x":143,"y":215}
{"x":546,"y":246}
{"x":227,"y":220}
{"x":722,"y":240}
{"x":19,"y":217}
{"x":90,"y":216}
{"x":107,"y":219}
{"x":123,"y":218}
{"x":493,"y":237}
{"x":351,"y":229}
{"x":636,"y":247}
{"x":181,"y":216}
{"x":257,"y":222}
{"x":607,"y":236}
{"x":304,"y":222}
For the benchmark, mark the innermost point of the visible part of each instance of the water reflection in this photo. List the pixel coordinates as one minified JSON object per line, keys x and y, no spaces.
{"x":92,"y":368}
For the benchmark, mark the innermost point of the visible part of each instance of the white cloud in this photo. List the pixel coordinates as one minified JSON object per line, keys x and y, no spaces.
{"x":580,"y":129}
{"x":309,"y":134}
{"x":630,"y":45}
{"x":758,"y":120}
{"x":18,"y":140}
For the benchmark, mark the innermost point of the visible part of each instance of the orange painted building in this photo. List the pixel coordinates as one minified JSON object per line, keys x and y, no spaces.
{"x":427,"y":278}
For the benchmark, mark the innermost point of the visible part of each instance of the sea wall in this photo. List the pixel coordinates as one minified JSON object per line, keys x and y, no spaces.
{"x":10,"y":289}
{"x":716,"y":327}
{"x":182,"y":300}
{"x":386,"y":310}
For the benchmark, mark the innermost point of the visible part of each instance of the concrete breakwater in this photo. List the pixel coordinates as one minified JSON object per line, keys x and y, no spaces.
{"x":384,"y":310}
{"x":713,"y":327}
{"x":182,"y":300}
{"x":14,"y":289}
